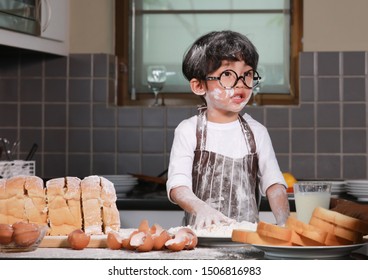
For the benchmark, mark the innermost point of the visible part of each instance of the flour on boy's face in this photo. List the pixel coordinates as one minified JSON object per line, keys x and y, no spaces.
{"x":232,"y":100}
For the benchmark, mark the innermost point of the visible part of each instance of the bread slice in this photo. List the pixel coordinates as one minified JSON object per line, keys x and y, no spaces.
{"x":253,"y":237}
{"x":310,"y":235}
{"x":73,"y":197}
{"x":341,"y":220}
{"x":333,"y":240}
{"x":14,"y":188}
{"x":3,"y":198}
{"x":62,"y":220}
{"x":92,"y":204}
{"x":270,"y":230}
{"x":353,"y":236}
{"x":35,"y":200}
{"x":110,"y":213}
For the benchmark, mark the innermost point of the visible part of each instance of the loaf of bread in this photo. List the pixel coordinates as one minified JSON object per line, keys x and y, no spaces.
{"x":110,"y":213}
{"x":15,"y":201}
{"x":63,"y":204}
{"x":64,"y":217}
{"x":326,"y":228}
{"x":3,"y":198}
{"x":92,"y":204}
{"x":35,"y":200}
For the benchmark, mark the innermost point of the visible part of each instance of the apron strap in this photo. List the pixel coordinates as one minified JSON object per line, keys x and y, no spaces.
{"x":248,"y":133}
{"x":201,"y":132}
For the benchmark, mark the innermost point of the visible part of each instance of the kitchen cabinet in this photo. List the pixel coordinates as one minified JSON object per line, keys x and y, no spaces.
{"x":54,"y":23}
{"x":54,"y":37}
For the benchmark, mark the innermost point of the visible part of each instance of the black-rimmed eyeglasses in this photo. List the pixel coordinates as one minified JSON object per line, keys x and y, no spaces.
{"x":229,"y":78}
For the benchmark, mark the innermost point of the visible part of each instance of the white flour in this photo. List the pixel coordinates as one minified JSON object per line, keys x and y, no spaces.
{"x":224,"y":231}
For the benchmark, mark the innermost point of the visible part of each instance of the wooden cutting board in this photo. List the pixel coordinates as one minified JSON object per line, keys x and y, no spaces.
{"x":97,"y":241}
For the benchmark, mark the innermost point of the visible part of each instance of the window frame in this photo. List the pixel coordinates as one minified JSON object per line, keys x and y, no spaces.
{"x":122,"y":25}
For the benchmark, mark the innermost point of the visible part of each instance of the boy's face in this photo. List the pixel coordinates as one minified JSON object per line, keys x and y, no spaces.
{"x":231,"y":100}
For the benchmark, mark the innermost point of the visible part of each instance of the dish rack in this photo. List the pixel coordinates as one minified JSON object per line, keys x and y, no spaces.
{"x":17,"y":167}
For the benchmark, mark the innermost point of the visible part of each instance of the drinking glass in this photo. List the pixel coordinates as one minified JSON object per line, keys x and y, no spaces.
{"x":156,"y":78}
{"x":309,"y":195}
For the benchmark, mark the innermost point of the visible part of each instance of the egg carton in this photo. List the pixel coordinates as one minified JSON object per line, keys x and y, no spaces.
{"x":13,"y":168}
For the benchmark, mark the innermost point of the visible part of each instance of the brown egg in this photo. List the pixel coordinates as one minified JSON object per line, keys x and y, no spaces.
{"x":78,"y":239}
{"x":144,"y":226}
{"x":25,"y":234}
{"x":159,"y":239}
{"x":6,"y":234}
{"x":114,"y":241}
{"x":142,"y":241}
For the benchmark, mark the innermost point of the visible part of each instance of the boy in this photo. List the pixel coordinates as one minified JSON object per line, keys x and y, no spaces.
{"x":219,"y":158}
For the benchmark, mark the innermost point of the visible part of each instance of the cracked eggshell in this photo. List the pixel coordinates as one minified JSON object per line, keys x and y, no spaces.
{"x":114,"y":241}
{"x":159,"y":239}
{"x":192,"y":237}
{"x":177,"y":243}
{"x":142,"y":241}
{"x":144,"y":226}
{"x":126,"y":241}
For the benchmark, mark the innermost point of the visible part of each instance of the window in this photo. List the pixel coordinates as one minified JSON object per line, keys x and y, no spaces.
{"x":160,"y":31}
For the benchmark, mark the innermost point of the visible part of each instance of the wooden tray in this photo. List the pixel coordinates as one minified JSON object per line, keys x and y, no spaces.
{"x":97,"y":241}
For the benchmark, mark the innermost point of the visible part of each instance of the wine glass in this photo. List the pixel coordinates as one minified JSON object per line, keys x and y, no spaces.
{"x":156,"y":78}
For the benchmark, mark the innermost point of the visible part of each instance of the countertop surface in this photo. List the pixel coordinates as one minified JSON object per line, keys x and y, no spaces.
{"x":242,"y":252}
{"x":200,"y":253}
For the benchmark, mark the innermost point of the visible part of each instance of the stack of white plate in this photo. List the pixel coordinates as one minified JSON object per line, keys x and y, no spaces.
{"x":358,"y":188}
{"x":122,"y":183}
{"x":337,"y":187}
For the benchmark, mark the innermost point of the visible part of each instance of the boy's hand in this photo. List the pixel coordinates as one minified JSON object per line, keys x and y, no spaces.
{"x":207,"y":216}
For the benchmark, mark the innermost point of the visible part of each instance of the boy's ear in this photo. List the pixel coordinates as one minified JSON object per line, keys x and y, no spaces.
{"x":197,"y":86}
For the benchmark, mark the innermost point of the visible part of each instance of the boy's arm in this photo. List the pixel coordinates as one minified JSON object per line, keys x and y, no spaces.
{"x":205,"y":215}
{"x":279,"y":203}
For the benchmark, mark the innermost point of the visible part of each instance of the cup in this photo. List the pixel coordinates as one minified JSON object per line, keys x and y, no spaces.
{"x":309,"y":195}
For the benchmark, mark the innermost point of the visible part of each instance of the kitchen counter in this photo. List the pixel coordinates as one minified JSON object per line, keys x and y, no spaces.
{"x":243,"y":252}
{"x":199,"y":253}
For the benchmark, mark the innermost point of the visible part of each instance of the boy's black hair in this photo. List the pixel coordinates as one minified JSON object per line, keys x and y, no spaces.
{"x":208,"y":51}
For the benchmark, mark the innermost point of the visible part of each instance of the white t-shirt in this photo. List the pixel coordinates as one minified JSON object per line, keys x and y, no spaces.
{"x":226,"y":139}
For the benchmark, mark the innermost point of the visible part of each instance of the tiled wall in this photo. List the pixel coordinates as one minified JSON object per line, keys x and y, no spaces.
{"x":62,"y":104}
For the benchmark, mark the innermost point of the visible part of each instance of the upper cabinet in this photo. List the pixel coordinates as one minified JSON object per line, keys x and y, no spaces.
{"x":54,"y":23}
{"x":50,"y":36}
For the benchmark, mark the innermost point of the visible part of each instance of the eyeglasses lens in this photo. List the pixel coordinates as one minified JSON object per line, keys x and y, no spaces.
{"x":229,"y":79}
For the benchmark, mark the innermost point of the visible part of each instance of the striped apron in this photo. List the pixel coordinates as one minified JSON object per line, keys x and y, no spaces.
{"x":226,"y":184}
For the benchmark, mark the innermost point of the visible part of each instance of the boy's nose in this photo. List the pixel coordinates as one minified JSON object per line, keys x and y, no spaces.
{"x":242,"y":84}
